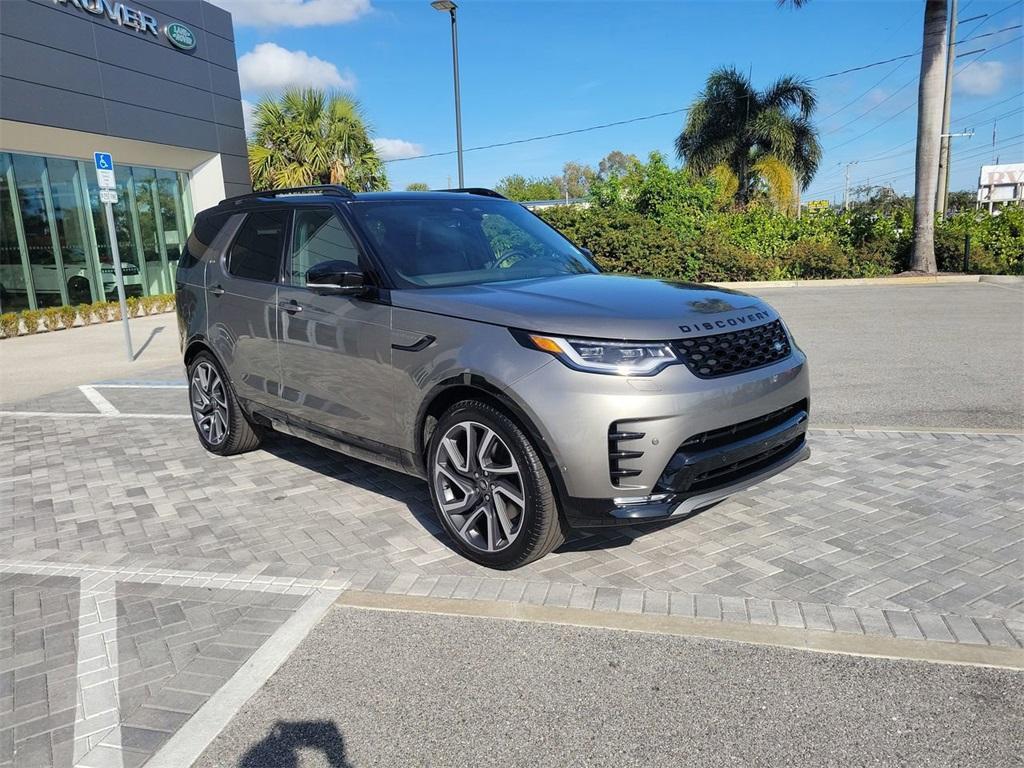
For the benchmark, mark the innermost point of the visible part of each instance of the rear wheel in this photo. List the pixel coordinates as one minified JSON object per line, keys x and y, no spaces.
{"x":222,"y":426}
{"x":79,"y":291}
{"x":490,"y":488}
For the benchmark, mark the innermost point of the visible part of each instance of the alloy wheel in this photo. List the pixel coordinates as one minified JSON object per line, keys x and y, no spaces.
{"x":479,"y":486}
{"x":209,"y":403}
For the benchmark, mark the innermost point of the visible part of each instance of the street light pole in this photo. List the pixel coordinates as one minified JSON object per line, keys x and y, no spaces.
{"x":846,"y":186}
{"x":448,"y":5}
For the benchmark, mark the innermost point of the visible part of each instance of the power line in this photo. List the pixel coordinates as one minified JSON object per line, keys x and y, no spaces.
{"x":682,"y":110}
{"x":545,"y":136}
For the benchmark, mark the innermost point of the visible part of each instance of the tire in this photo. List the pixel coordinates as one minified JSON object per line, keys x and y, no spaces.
{"x":221,"y":424}
{"x":475,"y":498}
{"x":79,"y":291}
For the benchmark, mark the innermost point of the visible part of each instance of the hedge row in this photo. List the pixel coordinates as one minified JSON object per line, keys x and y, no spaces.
{"x":30,"y":321}
{"x":661,"y":221}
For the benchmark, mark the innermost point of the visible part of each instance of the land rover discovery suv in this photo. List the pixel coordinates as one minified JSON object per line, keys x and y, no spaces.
{"x":457,"y":337}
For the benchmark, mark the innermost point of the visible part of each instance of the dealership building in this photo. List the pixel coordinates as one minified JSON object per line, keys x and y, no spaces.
{"x":155,"y":84}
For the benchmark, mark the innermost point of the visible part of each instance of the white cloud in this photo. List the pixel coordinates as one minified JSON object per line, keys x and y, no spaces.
{"x":393,"y":149}
{"x":983,"y":78}
{"x":247,"y":118}
{"x":269,"y":67}
{"x":294,"y":13}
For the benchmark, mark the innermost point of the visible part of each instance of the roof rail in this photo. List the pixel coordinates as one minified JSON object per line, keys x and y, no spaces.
{"x":475,"y":191}
{"x":318,"y":189}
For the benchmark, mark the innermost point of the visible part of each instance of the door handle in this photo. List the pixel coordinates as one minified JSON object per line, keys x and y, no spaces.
{"x":420,"y":345}
{"x":217,"y":290}
{"x":290,"y":306}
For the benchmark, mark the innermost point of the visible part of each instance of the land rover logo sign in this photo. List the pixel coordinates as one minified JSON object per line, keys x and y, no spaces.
{"x":180,"y":36}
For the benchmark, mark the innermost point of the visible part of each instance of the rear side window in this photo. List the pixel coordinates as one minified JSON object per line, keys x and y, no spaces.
{"x":256,"y":252}
{"x":206,"y":228}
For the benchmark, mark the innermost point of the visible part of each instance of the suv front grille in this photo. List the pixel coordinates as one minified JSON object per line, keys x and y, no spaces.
{"x":724,"y":354}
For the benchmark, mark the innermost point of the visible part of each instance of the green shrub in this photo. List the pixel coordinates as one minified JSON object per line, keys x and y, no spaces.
{"x":113,"y":310}
{"x":51,"y":318}
{"x":10,"y":324}
{"x":68,"y":315}
{"x":31,"y":318}
{"x":722,"y":261}
{"x":85,"y":313}
{"x":624,"y":242}
{"x":99,"y":311}
{"x":808,"y":259}
{"x":133,"y":305}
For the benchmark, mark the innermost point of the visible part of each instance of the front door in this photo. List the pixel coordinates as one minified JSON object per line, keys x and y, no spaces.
{"x":242,"y":304}
{"x":335,"y":350}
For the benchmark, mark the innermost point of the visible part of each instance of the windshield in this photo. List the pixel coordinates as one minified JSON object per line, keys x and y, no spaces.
{"x":439,"y":242}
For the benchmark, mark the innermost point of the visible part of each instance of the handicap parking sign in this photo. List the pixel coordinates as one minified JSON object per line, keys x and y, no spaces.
{"x":104,"y":169}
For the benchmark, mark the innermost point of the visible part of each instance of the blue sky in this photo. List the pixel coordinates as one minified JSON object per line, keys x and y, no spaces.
{"x":533,"y":68}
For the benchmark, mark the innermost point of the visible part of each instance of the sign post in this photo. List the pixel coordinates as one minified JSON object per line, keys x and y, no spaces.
{"x":108,"y":196}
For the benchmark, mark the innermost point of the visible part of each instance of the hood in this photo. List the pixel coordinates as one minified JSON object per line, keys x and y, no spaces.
{"x":596,"y":306}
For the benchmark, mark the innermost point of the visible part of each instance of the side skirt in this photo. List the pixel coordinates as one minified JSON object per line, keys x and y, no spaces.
{"x":349,"y":445}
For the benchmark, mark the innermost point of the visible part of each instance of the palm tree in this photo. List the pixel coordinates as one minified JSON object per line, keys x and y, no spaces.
{"x":930,"y":97}
{"x":309,"y":136}
{"x":752,"y":140}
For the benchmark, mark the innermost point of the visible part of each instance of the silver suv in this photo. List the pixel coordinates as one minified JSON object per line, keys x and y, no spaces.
{"x":456,"y":337}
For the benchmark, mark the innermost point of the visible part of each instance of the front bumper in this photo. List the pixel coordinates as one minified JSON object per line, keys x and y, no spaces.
{"x":624,"y":447}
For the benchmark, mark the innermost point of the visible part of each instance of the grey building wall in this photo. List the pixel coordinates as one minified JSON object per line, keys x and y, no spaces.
{"x":64,"y":67}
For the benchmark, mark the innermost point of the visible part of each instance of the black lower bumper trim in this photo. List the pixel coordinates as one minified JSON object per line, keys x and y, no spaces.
{"x":603,"y":513}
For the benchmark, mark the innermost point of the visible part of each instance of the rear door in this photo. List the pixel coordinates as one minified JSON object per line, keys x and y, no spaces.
{"x":335,"y":349}
{"x":242,"y":302}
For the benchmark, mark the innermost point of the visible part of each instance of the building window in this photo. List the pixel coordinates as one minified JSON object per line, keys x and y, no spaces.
{"x":54,"y":244}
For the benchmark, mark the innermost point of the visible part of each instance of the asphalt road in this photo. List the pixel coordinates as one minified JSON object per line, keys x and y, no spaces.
{"x":945,"y":357}
{"x":374,"y":688}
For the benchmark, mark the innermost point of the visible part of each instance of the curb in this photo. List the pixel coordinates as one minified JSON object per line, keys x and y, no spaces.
{"x":887,"y":281}
{"x":820,"y":641}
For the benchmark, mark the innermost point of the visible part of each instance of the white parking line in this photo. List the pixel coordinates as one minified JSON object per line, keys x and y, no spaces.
{"x":103,"y":405}
{"x":140,"y":386}
{"x":116,"y":415}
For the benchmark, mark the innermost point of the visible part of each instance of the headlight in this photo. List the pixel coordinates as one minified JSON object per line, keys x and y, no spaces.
{"x":621,"y":358}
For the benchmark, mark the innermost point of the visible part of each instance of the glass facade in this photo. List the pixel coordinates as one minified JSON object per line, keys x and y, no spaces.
{"x":54,"y":241}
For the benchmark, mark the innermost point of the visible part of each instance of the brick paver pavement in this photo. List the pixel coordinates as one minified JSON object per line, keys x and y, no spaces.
{"x":152,"y":570}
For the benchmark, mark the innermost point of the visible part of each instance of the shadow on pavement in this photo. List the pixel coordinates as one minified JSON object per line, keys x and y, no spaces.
{"x":280,"y":748}
{"x":410,"y":492}
{"x":147,"y":342}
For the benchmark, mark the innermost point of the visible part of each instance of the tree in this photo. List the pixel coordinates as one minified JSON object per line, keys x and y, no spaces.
{"x":930,"y":92}
{"x":764,"y":139}
{"x":309,"y":136}
{"x":518,"y":187}
{"x":417,"y":186}
{"x":615,"y":164}
{"x":577,"y":178}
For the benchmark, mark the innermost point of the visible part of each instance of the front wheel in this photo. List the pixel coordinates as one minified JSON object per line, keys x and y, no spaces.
{"x":221,"y":424}
{"x":490,"y":488}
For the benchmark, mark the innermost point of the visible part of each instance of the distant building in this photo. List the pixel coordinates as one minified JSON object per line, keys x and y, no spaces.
{"x":1001,"y":185}
{"x":575,"y":202}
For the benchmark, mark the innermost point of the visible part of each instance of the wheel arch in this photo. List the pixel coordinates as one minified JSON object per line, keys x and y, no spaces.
{"x":475,"y":387}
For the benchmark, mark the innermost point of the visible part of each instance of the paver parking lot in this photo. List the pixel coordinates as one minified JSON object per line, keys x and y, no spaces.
{"x":149,"y":570}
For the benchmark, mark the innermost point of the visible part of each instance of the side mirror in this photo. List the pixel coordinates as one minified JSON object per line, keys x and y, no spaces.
{"x":587,"y":252}
{"x":336,"y":276}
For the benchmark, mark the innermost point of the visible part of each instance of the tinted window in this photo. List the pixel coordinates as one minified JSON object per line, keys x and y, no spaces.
{"x":256,"y":252}
{"x":206,"y":228}
{"x":465,"y":241}
{"x":318,"y":236}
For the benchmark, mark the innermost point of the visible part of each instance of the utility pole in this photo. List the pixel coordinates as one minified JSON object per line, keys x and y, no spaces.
{"x":846,"y":186}
{"x":942,"y":191}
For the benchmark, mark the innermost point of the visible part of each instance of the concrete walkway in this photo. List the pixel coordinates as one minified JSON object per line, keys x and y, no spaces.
{"x":38,"y":365}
